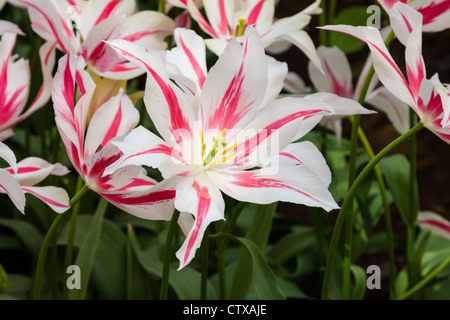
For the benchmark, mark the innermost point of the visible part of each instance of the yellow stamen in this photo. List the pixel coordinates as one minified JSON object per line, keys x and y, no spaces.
{"x":224,"y":152}
{"x":223,"y":159}
{"x":203,"y":143}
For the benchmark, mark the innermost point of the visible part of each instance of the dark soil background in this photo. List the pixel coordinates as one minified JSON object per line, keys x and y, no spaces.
{"x":433,"y":154}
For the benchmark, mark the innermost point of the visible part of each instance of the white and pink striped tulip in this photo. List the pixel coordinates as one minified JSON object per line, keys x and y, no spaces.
{"x":20,"y":179}
{"x":436,"y":13}
{"x":334,"y":84}
{"x":80,"y":27}
{"x":426,"y":97}
{"x":217,"y":125}
{"x":89,"y":147}
{"x":15,"y":80}
{"x":227,"y":19}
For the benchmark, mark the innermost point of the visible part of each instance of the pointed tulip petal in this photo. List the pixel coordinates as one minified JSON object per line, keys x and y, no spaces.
{"x":396,"y":110}
{"x":199,"y":196}
{"x":296,"y":184}
{"x":385,"y":66}
{"x":337,"y":76}
{"x":235,"y":86}
{"x":189,"y":57}
{"x":434,"y":223}
{"x":115,"y":118}
{"x":55,"y":198}
{"x":173,"y":111}
{"x":10,"y":186}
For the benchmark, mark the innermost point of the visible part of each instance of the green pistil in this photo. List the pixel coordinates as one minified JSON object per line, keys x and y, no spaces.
{"x":219,"y":144}
{"x":241,"y":27}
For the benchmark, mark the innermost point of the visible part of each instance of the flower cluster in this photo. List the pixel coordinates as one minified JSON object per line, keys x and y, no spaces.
{"x":228,"y":118}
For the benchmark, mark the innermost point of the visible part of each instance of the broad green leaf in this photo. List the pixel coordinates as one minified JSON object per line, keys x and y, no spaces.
{"x":437,"y":250}
{"x":27,"y":233}
{"x":396,"y":170}
{"x":402,"y":283}
{"x":355,"y":16}
{"x":88,"y":249}
{"x":185,"y":282}
{"x":264,"y":280}
{"x":18,"y":287}
{"x":292,"y":290}
{"x":109,"y":268}
{"x":291,"y":245}
{"x":259,"y":234}
{"x":139,"y":283}
{"x":438,"y":290}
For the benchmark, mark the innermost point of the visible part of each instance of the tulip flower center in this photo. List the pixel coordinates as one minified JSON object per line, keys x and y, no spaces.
{"x":219,"y":152}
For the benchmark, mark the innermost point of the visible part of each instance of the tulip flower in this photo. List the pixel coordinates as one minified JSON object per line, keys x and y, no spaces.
{"x":20,"y":179}
{"x":15,"y":80}
{"x":90,"y":150}
{"x":425,"y":96}
{"x":80,"y":27}
{"x":335,"y":85}
{"x":215,"y":126}
{"x":226,"y":19}
{"x":434,"y":223}
{"x":436,"y":13}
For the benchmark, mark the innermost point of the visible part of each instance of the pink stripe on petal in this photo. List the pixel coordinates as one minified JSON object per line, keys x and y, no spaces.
{"x":50,"y":24}
{"x":408,"y":25}
{"x":223,"y":24}
{"x":136,"y":183}
{"x":288,"y":155}
{"x":114,"y":128}
{"x":176,"y":114}
{"x":434,"y":223}
{"x":49,"y":201}
{"x":204,"y":203}
{"x":195,"y":65}
{"x":69,"y":88}
{"x":394,"y":107}
{"x":139,"y":35}
{"x":248,"y":179}
{"x":106,"y":11}
{"x":394,"y":66}
{"x":22,"y":170}
{"x":433,"y":11}
{"x":254,"y":14}
{"x":340,"y":89}
{"x":129,"y":199}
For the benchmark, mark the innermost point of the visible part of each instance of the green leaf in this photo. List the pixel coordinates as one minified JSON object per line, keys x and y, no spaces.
{"x":401,"y":283}
{"x":139,"y":284}
{"x":291,"y":245}
{"x":263,"y":277}
{"x":396,"y":170}
{"x":437,"y":250}
{"x":18,"y":286}
{"x":3,"y":279}
{"x":185,"y":282}
{"x":27,"y":233}
{"x":88,"y":249}
{"x":259,"y":234}
{"x":438,"y":291}
{"x":355,"y":16}
{"x":109,"y":266}
{"x":360,"y":285}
